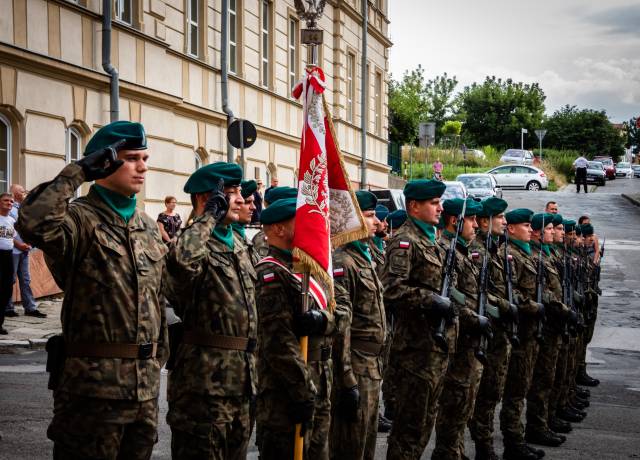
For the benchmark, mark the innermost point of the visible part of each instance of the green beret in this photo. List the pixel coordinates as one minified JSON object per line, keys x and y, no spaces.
{"x":519,"y":216}
{"x":587,"y":229}
{"x":131,"y":133}
{"x":540,"y":218}
{"x":453,"y":207}
{"x":557,"y":220}
{"x":424,"y":189}
{"x":279,"y":211}
{"x":382,"y":212}
{"x":492,"y":206}
{"x":247,"y":188}
{"x":397,"y":218}
{"x":579,"y":230}
{"x":366,"y":200}
{"x":207,"y":177}
{"x":277,"y":193}
{"x":569,"y":225}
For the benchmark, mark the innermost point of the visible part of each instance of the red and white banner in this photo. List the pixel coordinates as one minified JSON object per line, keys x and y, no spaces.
{"x":327,"y":210}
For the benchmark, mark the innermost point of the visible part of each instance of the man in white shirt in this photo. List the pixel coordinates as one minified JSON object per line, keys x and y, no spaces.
{"x":580,"y":166}
{"x":7,"y":233}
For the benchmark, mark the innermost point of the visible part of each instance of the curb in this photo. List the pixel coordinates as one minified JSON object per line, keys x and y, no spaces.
{"x":631,"y":199}
{"x":33,"y":344}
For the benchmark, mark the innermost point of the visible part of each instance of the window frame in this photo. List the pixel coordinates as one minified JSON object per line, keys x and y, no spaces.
{"x":199,"y":162}
{"x":351,"y":86}
{"x":6,"y":124}
{"x":71,"y":133}
{"x":119,"y":10}
{"x":266,"y":40}
{"x":193,"y":23}
{"x":378,"y":85}
{"x":293,"y":51}
{"x":233,"y":44}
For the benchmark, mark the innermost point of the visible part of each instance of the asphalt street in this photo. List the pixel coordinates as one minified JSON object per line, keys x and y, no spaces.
{"x":611,"y":430}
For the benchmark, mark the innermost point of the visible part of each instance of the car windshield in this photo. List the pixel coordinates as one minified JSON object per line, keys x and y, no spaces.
{"x":595,"y":165}
{"x":635,"y":166}
{"x":512,"y":153}
{"x":623,"y":165}
{"x":452,"y":191}
{"x":606,"y":161}
{"x":475,"y":181}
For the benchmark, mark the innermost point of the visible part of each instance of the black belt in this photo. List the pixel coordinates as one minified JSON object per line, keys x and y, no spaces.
{"x":112,"y":350}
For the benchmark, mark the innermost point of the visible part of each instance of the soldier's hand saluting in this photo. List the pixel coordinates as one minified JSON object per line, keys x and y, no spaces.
{"x":218,"y":203}
{"x":101,"y":163}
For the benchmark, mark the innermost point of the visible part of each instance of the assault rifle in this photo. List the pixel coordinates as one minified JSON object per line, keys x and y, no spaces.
{"x":567,"y":290}
{"x":515,"y":341}
{"x":481,"y":351}
{"x":540,"y":284}
{"x":439,"y":336}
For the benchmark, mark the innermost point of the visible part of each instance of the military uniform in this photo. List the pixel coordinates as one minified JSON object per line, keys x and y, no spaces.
{"x":358,"y":351}
{"x":113,"y":323}
{"x":260,"y":245}
{"x":241,"y":239}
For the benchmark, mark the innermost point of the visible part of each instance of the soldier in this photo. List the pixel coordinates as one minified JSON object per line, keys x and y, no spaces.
{"x":412,"y":278}
{"x":247,"y":190}
{"x":108,"y":257}
{"x":395,"y":220}
{"x":260,"y":245}
{"x":464,"y":372}
{"x":211,"y":286}
{"x":537,"y":431}
{"x":502,"y":315}
{"x":291,"y":391}
{"x":358,"y":348}
{"x":522,"y":358}
{"x":378,"y":243}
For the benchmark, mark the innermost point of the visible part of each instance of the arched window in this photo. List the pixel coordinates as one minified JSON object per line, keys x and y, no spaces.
{"x":74,"y":147}
{"x":5,"y":154}
{"x":198,"y":160}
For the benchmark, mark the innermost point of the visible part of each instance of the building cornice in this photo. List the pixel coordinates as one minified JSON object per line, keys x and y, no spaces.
{"x":356,"y":16}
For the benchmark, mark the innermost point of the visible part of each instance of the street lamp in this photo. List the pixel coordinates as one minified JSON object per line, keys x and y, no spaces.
{"x":540,"y":133}
{"x":523,"y":131}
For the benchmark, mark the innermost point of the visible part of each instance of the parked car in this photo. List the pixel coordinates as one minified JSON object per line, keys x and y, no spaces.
{"x":636,"y":170}
{"x":609,"y":167}
{"x":455,"y":189}
{"x":391,"y":198}
{"x":623,"y":169}
{"x":480,"y":186}
{"x":522,"y":177}
{"x":521,"y":157}
{"x":595,"y":173}
{"x":475,"y":153}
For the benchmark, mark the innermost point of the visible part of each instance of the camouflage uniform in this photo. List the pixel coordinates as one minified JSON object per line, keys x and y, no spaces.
{"x":413,"y":272}
{"x":260,"y":245}
{"x":214,"y":378}
{"x":241,"y":239}
{"x":358,"y":352}
{"x":285,"y":379}
{"x":104,"y":407}
{"x":590,"y":310}
{"x":464,"y":372}
{"x":498,"y":351}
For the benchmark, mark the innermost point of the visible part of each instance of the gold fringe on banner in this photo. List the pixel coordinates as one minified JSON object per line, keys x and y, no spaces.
{"x":303,"y":262}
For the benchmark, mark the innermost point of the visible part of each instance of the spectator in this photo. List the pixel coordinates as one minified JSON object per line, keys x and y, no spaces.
{"x":169,"y":221}
{"x":580,"y":166}
{"x":551,"y":207}
{"x":21,"y":271}
{"x":437,"y":169}
{"x":274,"y":184}
{"x":7,"y":234}
{"x":257,"y":201}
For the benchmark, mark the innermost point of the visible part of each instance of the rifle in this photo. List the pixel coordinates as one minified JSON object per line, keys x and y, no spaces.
{"x":540,"y":283}
{"x":567,"y":290}
{"x":515,"y":341}
{"x":439,"y":336}
{"x":600,"y":262}
{"x":482,"y":296}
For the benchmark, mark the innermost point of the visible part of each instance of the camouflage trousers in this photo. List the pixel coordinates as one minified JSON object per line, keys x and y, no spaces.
{"x":102,"y":429}
{"x":456,"y":404}
{"x":389,"y":380}
{"x":587,"y":335}
{"x":491,"y":387}
{"x":569,"y":384}
{"x":544,"y":373}
{"x":558,"y":382}
{"x":516,"y":388}
{"x":357,"y":440}
{"x":208,"y":427}
{"x":417,"y":400}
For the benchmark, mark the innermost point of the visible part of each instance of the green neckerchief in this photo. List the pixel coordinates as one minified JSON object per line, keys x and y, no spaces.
{"x":522,"y":245}
{"x":545,"y":248}
{"x":240,"y":229}
{"x":428,"y":229}
{"x":224,"y":233}
{"x":362,"y":248}
{"x":122,"y":205}
{"x":450,"y":235}
{"x":379,"y":242}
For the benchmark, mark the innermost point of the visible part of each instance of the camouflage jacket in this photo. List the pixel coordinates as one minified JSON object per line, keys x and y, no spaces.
{"x":358,"y":293}
{"x":111,"y":274}
{"x":260,"y":245}
{"x":211,"y":287}
{"x":524,"y":280}
{"x":242,"y":240}
{"x":412,"y":273}
{"x":555,"y":311}
{"x":283,"y":374}
{"x":378,"y":256}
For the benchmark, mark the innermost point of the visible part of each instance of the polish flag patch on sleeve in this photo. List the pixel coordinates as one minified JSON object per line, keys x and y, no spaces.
{"x":404,"y":244}
{"x":338,"y":272}
{"x":268,"y":277}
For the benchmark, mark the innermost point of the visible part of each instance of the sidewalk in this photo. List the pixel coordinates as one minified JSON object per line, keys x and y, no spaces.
{"x":30,"y":332}
{"x":633,"y":198}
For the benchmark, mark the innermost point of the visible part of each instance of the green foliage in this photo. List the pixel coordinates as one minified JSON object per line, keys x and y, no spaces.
{"x":495,"y":111}
{"x":451,"y":128}
{"x":588,"y":131}
{"x":439,"y":92}
{"x":633,"y":135}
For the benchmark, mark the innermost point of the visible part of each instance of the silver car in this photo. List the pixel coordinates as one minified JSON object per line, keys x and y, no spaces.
{"x":521,"y":157}
{"x":520,"y":177}
{"x":480,"y":186}
{"x":455,"y":189}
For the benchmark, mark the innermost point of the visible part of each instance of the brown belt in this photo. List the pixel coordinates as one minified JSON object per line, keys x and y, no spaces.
{"x":226,"y":342}
{"x":112,"y":350}
{"x":319,"y":354}
{"x":366,"y":346}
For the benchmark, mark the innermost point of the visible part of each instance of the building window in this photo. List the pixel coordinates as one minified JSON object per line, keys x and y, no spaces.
{"x":293,"y":52}
{"x":266,"y":42}
{"x":351,"y":85}
{"x":198,"y":161}
{"x":193,"y":27}
{"x":73,"y":145}
{"x":5,"y":154}
{"x":378,"y":104}
{"x":233,"y":36}
{"x":124,"y":11}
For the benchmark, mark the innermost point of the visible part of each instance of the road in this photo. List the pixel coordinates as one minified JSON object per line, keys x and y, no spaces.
{"x":611,"y":431}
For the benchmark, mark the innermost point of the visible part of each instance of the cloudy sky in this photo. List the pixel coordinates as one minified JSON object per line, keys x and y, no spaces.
{"x":582,"y":52}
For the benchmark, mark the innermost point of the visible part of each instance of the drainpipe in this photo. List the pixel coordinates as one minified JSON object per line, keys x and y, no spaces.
{"x":114,"y":90}
{"x":363,"y":95}
{"x":224,"y":81}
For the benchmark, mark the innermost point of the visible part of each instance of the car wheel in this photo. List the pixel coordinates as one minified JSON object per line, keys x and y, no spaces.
{"x":533,"y":186}
{"x":603,"y":183}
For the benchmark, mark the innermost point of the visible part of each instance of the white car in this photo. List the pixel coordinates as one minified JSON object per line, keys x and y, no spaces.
{"x":480,"y":186}
{"x":623,"y":169}
{"x":520,"y":177}
{"x":521,"y":157}
{"x":475,"y":153}
{"x":455,"y":189}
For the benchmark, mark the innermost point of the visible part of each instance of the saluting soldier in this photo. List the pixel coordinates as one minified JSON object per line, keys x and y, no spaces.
{"x":247,"y":190}
{"x":412,"y":278}
{"x":108,"y":257}
{"x":358,"y":347}
{"x":291,"y":391}
{"x":378,"y":242}
{"x":260,"y":244}
{"x":211,"y":281}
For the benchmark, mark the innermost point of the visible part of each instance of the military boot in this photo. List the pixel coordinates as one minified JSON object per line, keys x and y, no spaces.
{"x":583,"y":393}
{"x":539,"y":453}
{"x":578,"y":403}
{"x":581,"y":413}
{"x":559,"y":426}
{"x":543,"y":438}
{"x":485,"y":452}
{"x":384,"y":425}
{"x":518,"y":452}
{"x":585,"y":379}
{"x":568,"y":415}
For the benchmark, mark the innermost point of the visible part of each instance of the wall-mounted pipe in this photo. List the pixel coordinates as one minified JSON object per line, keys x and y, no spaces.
{"x":363,"y":96}
{"x":114,"y":85}
{"x":224,"y":67}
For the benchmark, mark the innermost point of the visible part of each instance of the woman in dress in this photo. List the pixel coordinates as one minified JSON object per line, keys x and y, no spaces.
{"x":169,"y":221}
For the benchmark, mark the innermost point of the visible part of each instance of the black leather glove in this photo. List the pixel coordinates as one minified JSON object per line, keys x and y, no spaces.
{"x":512,"y":313}
{"x":572,"y":319}
{"x":302,"y":413}
{"x":441,"y":307}
{"x":101,"y":163}
{"x":311,"y":322}
{"x":540,"y":313}
{"x":484,"y":327}
{"x":349,"y":404}
{"x":218,"y":204}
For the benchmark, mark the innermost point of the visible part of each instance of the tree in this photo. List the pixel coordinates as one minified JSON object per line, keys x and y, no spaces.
{"x":633,"y":135}
{"x":439,"y":93}
{"x":495,"y":111}
{"x":451,"y":128}
{"x":408,"y":106}
{"x":585,"y":130}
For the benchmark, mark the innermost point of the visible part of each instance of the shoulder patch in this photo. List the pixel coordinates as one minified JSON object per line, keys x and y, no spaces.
{"x":404,"y":244}
{"x":269,"y":277}
{"x":475,"y":255}
{"x":338,"y":272}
